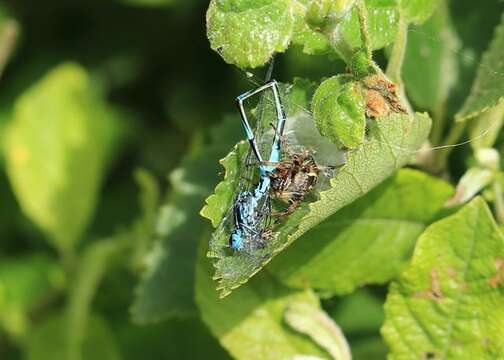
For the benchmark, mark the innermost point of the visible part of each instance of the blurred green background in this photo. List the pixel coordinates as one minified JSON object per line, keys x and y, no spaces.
{"x":149,"y":63}
{"x":99,"y":102}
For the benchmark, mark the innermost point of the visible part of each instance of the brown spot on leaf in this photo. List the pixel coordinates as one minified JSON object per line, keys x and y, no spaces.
{"x":499,"y":276}
{"x":452,"y":273}
{"x":435,"y":290}
{"x":429,"y":355}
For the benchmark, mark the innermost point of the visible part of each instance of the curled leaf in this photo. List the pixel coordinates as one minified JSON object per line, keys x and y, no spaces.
{"x":339,"y":110}
{"x":310,"y":319}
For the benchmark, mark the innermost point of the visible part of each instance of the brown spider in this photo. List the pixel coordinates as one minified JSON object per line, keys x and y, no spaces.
{"x":293,"y":179}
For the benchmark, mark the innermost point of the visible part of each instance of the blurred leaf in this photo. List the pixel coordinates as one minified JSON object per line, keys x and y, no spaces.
{"x":430,"y":67}
{"x":390,"y":144}
{"x":144,"y":229}
{"x":485,"y":129}
{"x":26,"y":284}
{"x":418,"y":11}
{"x":448,"y":304}
{"x":309,"y":319}
{"x":250,"y":322}
{"x":383,"y":19}
{"x":149,"y":194}
{"x":474,"y":180}
{"x":188,"y":339}
{"x":57,"y":149}
{"x":360,"y":316}
{"x":165,"y":289}
{"x":96,"y":259}
{"x":359,"y":313}
{"x":369,"y":241}
{"x":49,"y":338}
{"x":488,"y":88}
{"x":9,"y":33}
{"x":247,"y":33}
{"x":339,"y":111}
{"x":5,"y":117}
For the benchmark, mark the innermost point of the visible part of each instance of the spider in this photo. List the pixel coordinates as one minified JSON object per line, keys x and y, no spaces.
{"x":293,"y":179}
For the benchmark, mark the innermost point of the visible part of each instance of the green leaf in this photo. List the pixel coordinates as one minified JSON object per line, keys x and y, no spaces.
{"x":472,"y":182}
{"x":310,"y":320}
{"x":144,"y":228}
{"x":57,"y":149}
{"x":448,"y":304}
{"x":418,"y":11}
{"x":390,"y":143}
{"x":360,"y":316}
{"x":251,"y":320}
{"x":339,"y":111}
{"x":320,"y":11}
{"x":383,"y":19}
{"x":313,"y":43}
{"x":96,"y":259}
{"x":488,"y":88}
{"x":369,"y":241}
{"x":224,"y":192}
{"x":187,"y":338}
{"x":248,"y":33}
{"x":48,"y":339}
{"x":430,"y":67}
{"x":486,"y":127}
{"x":320,"y":18}
{"x":25,"y":284}
{"x":165,"y":289}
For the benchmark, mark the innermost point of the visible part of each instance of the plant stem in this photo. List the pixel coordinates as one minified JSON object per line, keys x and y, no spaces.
{"x":338,"y":42}
{"x":8,"y":39}
{"x":499,"y":201}
{"x":363,"y":16}
{"x":438,"y":124}
{"x":396,"y":59}
{"x":394,"y":67}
